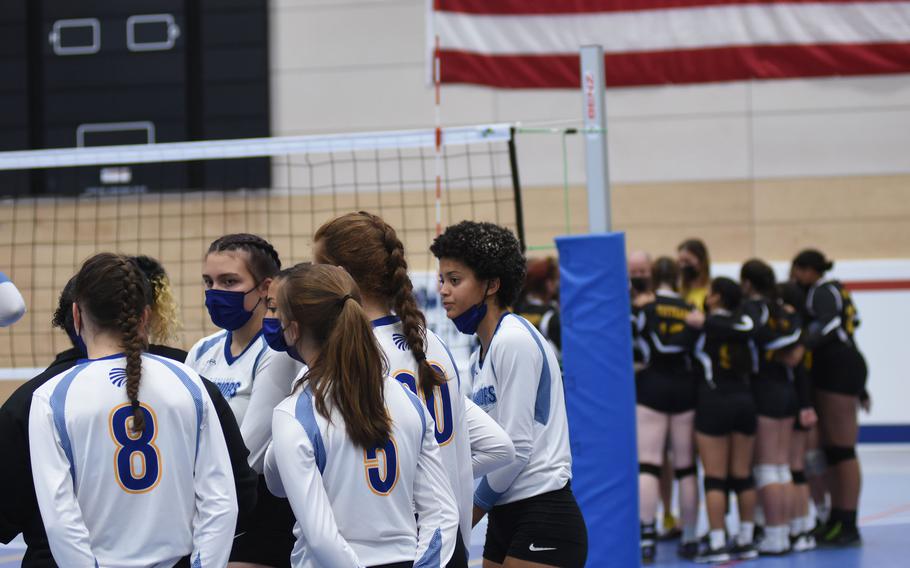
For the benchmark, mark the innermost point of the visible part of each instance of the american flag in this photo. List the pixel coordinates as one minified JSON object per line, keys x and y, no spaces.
{"x":535,"y":43}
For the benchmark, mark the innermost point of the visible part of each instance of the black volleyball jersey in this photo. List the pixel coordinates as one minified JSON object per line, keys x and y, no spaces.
{"x":662,"y":331}
{"x":832,"y":314}
{"x":776,"y":330}
{"x":723,"y":349}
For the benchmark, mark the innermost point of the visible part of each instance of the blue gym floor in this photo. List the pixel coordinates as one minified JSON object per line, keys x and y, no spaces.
{"x":884,"y":523}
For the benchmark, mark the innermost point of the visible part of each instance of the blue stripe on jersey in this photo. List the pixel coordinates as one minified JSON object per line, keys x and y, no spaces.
{"x":265,"y":347}
{"x":387,"y":320}
{"x":197,"y":562}
{"x":485,"y":496}
{"x":452,"y":359}
{"x":304,"y":414}
{"x":542,"y":405}
{"x":207,"y":344}
{"x":430,"y":558}
{"x":418,"y":406}
{"x":194,"y":389}
{"x":3,"y":278}
{"x":58,"y":408}
{"x":228,"y":356}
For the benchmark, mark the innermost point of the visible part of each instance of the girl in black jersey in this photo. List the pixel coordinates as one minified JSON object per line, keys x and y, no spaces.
{"x":666,"y":390}
{"x":839,"y":378}
{"x":725,"y":418}
{"x":777,"y":333}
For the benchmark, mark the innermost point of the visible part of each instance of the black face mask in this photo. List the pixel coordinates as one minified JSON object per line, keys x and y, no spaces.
{"x":640,"y":284}
{"x":689,"y":272}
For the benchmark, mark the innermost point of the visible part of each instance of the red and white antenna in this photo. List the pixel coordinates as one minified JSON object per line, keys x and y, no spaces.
{"x":437,"y":81}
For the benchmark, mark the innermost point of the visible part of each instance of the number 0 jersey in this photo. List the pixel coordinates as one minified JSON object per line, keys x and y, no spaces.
{"x":113,"y":497}
{"x":357,"y":506}
{"x":253,"y":383}
{"x":519,"y":384}
{"x":462,"y":429}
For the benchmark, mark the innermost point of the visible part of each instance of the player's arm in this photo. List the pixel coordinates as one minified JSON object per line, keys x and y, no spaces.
{"x":292,"y":457}
{"x":216,"y":499}
{"x":518,"y":362}
{"x":67,"y":533}
{"x":15,"y":478}
{"x":826,"y":307}
{"x":12,"y":305}
{"x":275,"y":374}
{"x":735,"y":327}
{"x":491,"y":447}
{"x":246,"y":480}
{"x":434,"y":502}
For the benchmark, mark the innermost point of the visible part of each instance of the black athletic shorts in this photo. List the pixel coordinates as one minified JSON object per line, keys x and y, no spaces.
{"x":725,"y":410}
{"x":268,"y":536}
{"x":546,"y":528}
{"x":774,"y":397}
{"x":666,"y":392}
{"x":839,"y":368}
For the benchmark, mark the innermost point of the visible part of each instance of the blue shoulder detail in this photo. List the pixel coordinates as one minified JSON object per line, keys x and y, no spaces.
{"x":3,"y":278}
{"x":58,"y":408}
{"x":485,"y":496}
{"x":208,"y":344}
{"x":418,"y":406}
{"x":452,"y":359}
{"x":192,"y":387}
{"x":430,"y":558}
{"x":542,"y":405}
{"x":265,"y":347}
{"x":303,"y":411}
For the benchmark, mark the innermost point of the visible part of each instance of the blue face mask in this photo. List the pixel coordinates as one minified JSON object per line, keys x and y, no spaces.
{"x":274,"y":336}
{"x":226,"y":308}
{"x":468,"y":321}
{"x":78,"y":342}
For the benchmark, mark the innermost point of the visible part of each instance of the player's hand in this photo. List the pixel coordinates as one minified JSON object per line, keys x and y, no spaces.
{"x":807,"y":417}
{"x":643,"y":299}
{"x":695,"y":319}
{"x":478,"y":514}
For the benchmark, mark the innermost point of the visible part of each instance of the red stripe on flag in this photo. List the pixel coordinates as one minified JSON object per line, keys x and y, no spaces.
{"x":877,"y":285}
{"x":678,"y":66}
{"x":539,"y":7}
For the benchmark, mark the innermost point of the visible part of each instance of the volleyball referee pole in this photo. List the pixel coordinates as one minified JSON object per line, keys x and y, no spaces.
{"x":597,"y":351}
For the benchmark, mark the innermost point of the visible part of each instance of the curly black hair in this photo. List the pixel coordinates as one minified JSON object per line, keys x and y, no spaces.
{"x":490,"y":251}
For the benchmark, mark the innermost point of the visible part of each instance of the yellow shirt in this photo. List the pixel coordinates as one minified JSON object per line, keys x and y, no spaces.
{"x":696,"y":297}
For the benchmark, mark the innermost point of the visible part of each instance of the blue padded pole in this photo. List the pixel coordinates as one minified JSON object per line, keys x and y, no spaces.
{"x":600,"y":393}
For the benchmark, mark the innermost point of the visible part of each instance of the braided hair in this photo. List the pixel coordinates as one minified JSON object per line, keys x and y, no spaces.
{"x":112,"y":291}
{"x":263,"y":261}
{"x":370,"y":250}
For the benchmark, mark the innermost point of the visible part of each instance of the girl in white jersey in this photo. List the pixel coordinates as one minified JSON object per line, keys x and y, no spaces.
{"x":534,"y":518}
{"x":124,"y":480}
{"x":353,"y":449}
{"x":237,"y":271}
{"x":370,"y":250}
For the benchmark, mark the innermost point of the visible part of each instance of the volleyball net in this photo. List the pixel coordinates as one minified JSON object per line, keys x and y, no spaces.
{"x":169,"y":201}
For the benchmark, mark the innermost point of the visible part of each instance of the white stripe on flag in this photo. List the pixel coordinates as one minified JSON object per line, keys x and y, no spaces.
{"x":683,"y":28}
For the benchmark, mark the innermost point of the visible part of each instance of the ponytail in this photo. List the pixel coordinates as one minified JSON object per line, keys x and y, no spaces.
{"x":350,"y":370}
{"x":114,"y":293}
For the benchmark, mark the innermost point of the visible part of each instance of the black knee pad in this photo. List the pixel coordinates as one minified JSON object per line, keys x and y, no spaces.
{"x":715,"y":484}
{"x":836,"y":454}
{"x":649,"y":469}
{"x":799,"y":477}
{"x":740,"y":484}
{"x":685,"y":472}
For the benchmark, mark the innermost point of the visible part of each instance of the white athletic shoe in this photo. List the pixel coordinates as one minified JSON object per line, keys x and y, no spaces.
{"x":803,"y":543}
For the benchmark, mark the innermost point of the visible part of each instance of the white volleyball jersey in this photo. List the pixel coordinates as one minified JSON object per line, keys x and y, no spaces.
{"x":519,"y":384}
{"x":357,"y":507}
{"x":253,"y":383}
{"x":113,"y":497}
{"x":455,"y":423}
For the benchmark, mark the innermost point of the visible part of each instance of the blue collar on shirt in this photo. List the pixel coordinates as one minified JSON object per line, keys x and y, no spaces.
{"x":227,"y":347}
{"x":385,"y":320}
{"x":87,"y":360}
{"x":482,"y":355}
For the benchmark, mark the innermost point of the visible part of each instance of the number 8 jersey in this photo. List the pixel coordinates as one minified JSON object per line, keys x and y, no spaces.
{"x":112,"y":496}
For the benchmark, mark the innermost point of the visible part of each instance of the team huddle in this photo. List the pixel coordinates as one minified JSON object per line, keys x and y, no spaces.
{"x":323,"y":425}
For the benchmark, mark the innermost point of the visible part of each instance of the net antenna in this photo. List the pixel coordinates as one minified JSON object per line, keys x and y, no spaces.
{"x":60,"y":206}
{"x":593,"y":86}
